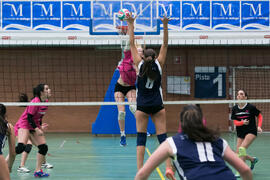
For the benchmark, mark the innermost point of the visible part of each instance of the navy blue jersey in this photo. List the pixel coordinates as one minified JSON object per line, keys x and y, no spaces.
{"x":249,"y":112}
{"x":200,"y":160}
{"x":149,"y":92}
{"x":2,"y":142}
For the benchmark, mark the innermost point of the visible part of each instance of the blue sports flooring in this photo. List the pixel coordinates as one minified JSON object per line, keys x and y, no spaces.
{"x":81,"y":156}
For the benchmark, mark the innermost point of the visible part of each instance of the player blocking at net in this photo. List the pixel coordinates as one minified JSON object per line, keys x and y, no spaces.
{"x":149,"y":94}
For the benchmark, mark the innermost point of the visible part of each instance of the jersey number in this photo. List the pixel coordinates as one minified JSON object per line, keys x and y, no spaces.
{"x":149,"y":83}
{"x":205,"y":151}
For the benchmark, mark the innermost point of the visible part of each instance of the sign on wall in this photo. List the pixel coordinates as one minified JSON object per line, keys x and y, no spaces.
{"x":210,"y":82}
{"x":178,"y":85}
{"x":186,"y":15}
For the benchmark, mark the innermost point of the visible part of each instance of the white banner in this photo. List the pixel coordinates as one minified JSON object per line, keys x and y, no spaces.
{"x":178,"y":85}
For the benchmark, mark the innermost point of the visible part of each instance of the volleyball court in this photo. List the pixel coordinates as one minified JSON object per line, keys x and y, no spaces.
{"x":82,"y":78}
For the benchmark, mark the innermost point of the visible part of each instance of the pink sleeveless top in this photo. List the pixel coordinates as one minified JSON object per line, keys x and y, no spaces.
{"x":126,"y":69}
{"x":37,"y":111}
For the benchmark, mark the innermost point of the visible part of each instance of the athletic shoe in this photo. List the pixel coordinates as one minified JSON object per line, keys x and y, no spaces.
{"x":148,"y":134}
{"x":252,"y":165}
{"x":237,"y":175}
{"x":123,"y":141}
{"x":41,"y":174}
{"x":23,"y":169}
{"x":169,"y":173}
{"x":47,"y":165}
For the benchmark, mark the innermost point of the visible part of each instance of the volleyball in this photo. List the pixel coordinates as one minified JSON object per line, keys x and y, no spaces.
{"x":123,"y":14}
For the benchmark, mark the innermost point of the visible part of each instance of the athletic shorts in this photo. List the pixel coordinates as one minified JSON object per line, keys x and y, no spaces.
{"x":32,"y":131}
{"x":242,"y":134}
{"x":150,"y":109}
{"x":123,"y":89}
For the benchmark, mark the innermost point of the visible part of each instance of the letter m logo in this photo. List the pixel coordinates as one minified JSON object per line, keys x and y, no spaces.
{"x":44,"y":11}
{"x":75,"y":11}
{"x":253,"y":11}
{"x":15,"y":11}
{"x":193,"y":10}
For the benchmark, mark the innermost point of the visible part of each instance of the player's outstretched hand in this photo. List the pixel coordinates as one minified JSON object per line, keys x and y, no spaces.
{"x":131,"y":19}
{"x":165,"y":20}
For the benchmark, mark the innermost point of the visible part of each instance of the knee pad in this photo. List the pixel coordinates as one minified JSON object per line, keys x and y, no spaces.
{"x":43,"y":149}
{"x":28,"y":148}
{"x":133,"y":108}
{"x":141,"y":139}
{"x":162,"y":137}
{"x":20,"y":148}
{"x":121,"y":115}
{"x":242,"y":152}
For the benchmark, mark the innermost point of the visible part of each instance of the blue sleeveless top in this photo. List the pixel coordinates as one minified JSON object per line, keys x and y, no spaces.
{"x":149,"y":92}
{"x":200,"y":160}
{"x":2,"y":142}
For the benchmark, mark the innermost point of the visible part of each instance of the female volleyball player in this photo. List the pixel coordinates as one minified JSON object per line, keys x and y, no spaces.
{"x":6,"y":132}
{"x":149,"y":95}
{"x":244,"y":117}
{"x":29,"y":127}
{"x":198,"y":152}
{"x":125,"y":87}
{"x":22,"y":168}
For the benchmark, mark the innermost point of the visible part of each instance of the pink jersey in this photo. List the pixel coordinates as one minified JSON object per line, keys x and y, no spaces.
{"x":37,"y":111}
{"x":126,"y":69}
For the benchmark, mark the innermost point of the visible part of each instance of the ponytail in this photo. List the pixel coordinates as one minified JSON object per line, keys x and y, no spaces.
{"x":36,"y":93}
{"x":147,"y":68}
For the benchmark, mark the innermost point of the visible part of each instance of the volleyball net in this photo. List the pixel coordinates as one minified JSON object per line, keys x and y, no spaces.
{"x":86,"y":76}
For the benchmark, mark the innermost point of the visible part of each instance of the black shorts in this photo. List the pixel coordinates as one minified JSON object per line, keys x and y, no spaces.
{"x":32,"y":131}
{"x":123,"y":89}
{"x":242,"y":134}
{"x":150,"y":109}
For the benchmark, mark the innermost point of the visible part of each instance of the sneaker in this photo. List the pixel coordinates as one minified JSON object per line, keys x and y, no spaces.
{"x":237,"y":175}
{"x":169,"y":173}
{"x":41,"y":174}
{"x":252,"y":165}
{"x":23,"y":169}
{"x":47,"y":165}
{"x":148,"y":134}
{"x":123,"y":141}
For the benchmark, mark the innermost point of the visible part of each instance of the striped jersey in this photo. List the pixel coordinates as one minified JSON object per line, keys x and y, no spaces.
{"x":249,"y":112}
{"x":149,"y":92}
{"x":200,"y":160}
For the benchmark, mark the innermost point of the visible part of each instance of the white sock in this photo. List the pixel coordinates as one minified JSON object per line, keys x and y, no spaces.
{"x":122,"y":133}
